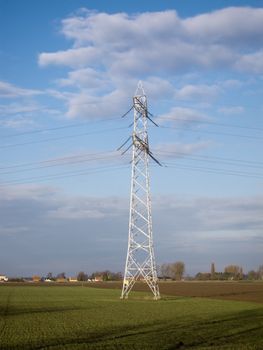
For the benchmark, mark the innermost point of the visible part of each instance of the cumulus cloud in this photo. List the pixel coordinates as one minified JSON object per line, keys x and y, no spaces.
{"x":84,"y":105}
{"x":87,"y":78}
{"x":226,"y":27}
{"x":78,"y":57}
{"x":159,"y":41}
{"x":111,"y":52}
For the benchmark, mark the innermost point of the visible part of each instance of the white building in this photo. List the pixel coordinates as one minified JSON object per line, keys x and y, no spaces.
{"x":3,"y":278}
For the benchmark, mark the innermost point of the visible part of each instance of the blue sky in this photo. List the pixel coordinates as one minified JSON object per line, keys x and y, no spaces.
{"x":68,"y":72}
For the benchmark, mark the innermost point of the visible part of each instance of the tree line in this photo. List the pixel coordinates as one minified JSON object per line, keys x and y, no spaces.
{"x":231,"y":272}
{"x":176,"y":270}
{"x":168,"y":271}
{"x":82,"y":276}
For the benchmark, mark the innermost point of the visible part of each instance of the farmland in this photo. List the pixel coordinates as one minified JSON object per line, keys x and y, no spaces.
{"x":243,"y":291}
{"x":59,"y":317}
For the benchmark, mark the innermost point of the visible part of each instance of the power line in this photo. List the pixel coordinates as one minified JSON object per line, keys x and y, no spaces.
{"x":73,"y":125}
{"x":109,"y":157}
{"x":229,"y":161}
{"x":211,"y":123}
{"x":63,"y":137}
{"x":212,"y":132}
{"x":215,"y":171}
{"x":74,"y":156}
{"x":62,"y":175}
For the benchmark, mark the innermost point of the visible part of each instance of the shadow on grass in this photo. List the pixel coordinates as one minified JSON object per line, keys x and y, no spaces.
{"x":243,"y":329}
{"x":14,"y":311}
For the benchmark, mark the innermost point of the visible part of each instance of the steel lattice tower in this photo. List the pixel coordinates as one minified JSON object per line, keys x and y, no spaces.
{"x":140,"y":262}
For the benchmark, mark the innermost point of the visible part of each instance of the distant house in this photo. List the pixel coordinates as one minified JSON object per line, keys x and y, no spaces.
{"x":73,"y":279}
{"x":61,"y":280}
{"x":3,"y":278}
{"x":98,"y":279}
{"x":36,"y":278}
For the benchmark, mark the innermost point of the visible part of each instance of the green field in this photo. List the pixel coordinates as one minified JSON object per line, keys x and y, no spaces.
{"x":38,"y":317}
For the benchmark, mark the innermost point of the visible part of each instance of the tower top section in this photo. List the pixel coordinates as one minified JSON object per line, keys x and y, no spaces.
{"x":140,"y":90}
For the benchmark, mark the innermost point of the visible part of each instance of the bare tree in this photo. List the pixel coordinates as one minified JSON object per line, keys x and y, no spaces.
{"x":61,"y":275}
{"x":165,"y":271}
{"x":235,"y":271}
{"x":82,"y":276}
{"x":177,"y":270}
{"x":252,"y":275}
{"x":49,"y":276}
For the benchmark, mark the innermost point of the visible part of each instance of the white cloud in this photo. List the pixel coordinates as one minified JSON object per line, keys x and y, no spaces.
{"x":182,"y":115}
{"x":252,"y":62}
{"x":23,"y":114}
{"x":87,"y":78}
{"x":159,"y":41}
{"x":158,"y":88}
{"x":231,"y":83}
{"x":231,"y":110}
{"x":19,"y":108}
{"x":111,"y":52}
{"x":8,"y":90}
{"x":32,"y":192}
{"x":178,"y":150}
{"x":85,"y":105}
{"x":233,"y":213}
{"x":198,"y":92}
{"x":212,"y":215}
{"x":17,"y":123}
{"x":233,"y":26}
{"x":78,"y":57}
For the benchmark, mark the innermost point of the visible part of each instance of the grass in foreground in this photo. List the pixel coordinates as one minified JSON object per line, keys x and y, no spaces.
{"x":86,"y":318}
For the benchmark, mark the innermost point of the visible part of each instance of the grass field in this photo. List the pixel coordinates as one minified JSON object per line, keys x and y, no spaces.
{"x":58,"y":317}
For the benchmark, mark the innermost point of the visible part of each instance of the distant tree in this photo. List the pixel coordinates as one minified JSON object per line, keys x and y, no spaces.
{"x":177,"y":270}
{"x":116,"y":276}
{"x":49,"y":276}
{"x":203,"y":276}
{"x":165,"y":271}
{"x":260,"y":272}
{"x":220,"y":276}
{"x":107,"y":275}
{"x":252,"y":275}
{"x":61,"y":275}
{"x":234,"y":271}
{"x":82,"y":276}
{"x":16,"y":279}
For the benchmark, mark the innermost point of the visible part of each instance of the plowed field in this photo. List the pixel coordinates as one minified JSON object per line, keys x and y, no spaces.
{"x":243,"y":291}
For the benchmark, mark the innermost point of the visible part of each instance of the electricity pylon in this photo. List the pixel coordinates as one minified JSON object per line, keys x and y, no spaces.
{"x":140,"y":261}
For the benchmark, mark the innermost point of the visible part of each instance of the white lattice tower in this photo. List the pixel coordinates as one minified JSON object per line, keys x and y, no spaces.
{"x":140,"y":261}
